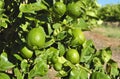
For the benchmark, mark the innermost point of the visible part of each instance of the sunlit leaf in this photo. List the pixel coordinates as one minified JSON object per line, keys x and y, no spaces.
{"x":81,"y":24}
{"x":40,"y":69}
{"x":18,"y":74}
{"x":30,"y":8}
{"x":99,"y":75}
{"x":112,"y":68}
{"x":106,"y":54}
{"x":78,"y":74}
{"x":61,"y":49}
{"x":24,"y":65}
{"x":4,"y":76}
{"x":91,"y":14}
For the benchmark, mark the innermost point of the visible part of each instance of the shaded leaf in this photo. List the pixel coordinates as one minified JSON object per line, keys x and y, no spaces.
{"x":4,"y":63}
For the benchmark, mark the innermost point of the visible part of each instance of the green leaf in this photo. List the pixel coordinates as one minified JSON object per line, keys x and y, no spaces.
{"x":62,"y":73}
{"x":24,"y":65}
{"x":99,"y":22}
{"x":39,"y":69}
{"x":61,"y":49}
{"x":78,"y":73}
{"x":50,"y":42}
{"x":106,"y":54}
{"x":57,"y":28}
{"x":88,"y":43}
{"x":32,"y":18}
{"x":50,"y":52}
{"x":24,"y":26}
{"x":18,"y":57}
{"x":81,"y":24}
{"x":112,"y":68}
{"x":30,"y":8}
{"x":4,"y":63}
{"x":93,"y":22}
{"x":38,"y":52}
{"x":40,"y":63}
{"x":61,"y":35}
{"x":91,"y":14}
{"x":99,"y":75}
{"x":56,"y":25}
{"x":1,"y":11}
{"x":87,"y":51}
{"x":81,"y":4}
{"x":49,"y":29}
{"x":18,"y":74}
{"x":41,"y":55}
{"x":61,"y":59}
{"x":4,"y":76}
{"x":3,"y":21}
{"x":97,"y":63}
{"x":83,"y":74}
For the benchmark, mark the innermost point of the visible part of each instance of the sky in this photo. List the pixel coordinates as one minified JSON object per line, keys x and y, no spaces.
{"x":103,"y":2}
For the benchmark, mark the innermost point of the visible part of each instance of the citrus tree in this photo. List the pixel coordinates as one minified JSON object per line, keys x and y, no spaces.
{"x":110,"y":12}
{"x":37,"y":35}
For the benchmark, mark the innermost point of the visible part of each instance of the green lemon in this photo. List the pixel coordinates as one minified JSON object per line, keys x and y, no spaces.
{"x":36,"y":38}
{"x":73,"y":56}
{"x":73,"y":10}
{"x":59,"y":8}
